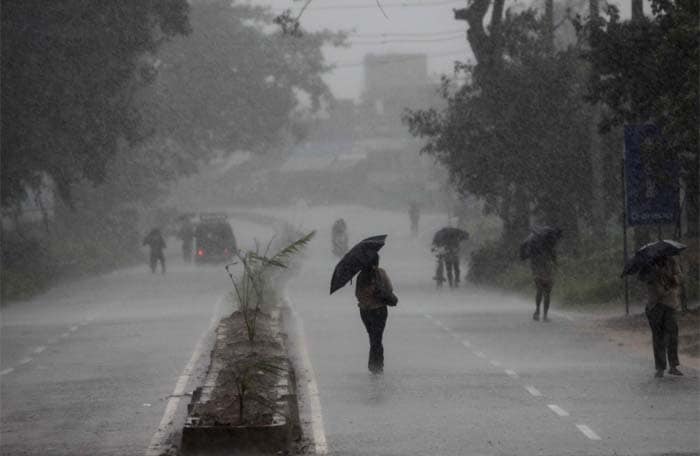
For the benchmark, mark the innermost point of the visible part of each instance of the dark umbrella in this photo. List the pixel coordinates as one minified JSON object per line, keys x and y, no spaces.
{"x":359,"y":257}
{"x":650,"y":252}
{"x":539,"y":240}
{"x":449,"y":236}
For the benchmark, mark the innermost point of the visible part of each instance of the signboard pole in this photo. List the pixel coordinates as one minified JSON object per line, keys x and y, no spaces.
{"x":624,"y":236}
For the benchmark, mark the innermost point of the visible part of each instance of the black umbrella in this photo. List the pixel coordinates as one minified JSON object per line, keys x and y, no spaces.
{"x":649,"y":252}
{"x":359,"y":257}
{"x":539,"y":240}
{"x":449,"y":236}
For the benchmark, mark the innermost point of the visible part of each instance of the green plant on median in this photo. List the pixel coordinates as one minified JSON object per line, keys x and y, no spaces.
{"x":252,"y":286}
{"x":253,"y":374}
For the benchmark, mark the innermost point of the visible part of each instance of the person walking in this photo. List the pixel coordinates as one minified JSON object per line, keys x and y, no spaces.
{"x":372,"y":287}
{"x":156,"y":243}
{"x":542,"y":264}
{"x":663,"y":279}
{"x":186,"y":234}
{"x":414,"y":216}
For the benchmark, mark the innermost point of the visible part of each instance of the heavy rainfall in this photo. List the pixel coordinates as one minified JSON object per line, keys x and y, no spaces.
{"x":350,"y":227}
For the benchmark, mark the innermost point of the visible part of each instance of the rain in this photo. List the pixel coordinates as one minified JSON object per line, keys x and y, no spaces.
{"x":350,"y":227}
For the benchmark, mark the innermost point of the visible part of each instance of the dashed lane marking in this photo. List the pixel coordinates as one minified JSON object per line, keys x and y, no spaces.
{"x":52,"y":341}
{"x":428,"y":316}
{"x":466,"y":343}
{"x":26,"y":360}
{"x":73,"y":328}
{"x":39,"y":349}
{"x":511,"y":373}
{"x":495,"y":363}
{"x":532,"y":390}
{"x":64,"y":335}
{"x":7,"y":371}
{"x":480,"y":354}
{"x":588,"y":432}
{"x":558,"y":410}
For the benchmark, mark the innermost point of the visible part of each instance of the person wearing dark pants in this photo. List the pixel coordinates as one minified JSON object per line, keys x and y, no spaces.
{"x":375,"y":321}
{"x":373,"y":310}
{"x":542,"y":264}
{"x":452,"y":266}
{"x":157,"y":244}
{"x":663,"y":279}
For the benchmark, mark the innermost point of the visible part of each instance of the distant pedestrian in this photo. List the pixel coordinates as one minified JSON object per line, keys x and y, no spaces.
{"x":542,"y":264}
{"x":186,"y":234}
{"x":663,"y":279}
{"x":339,"y":237}
{"x":372,"y":286}
{"x":156,"y":243}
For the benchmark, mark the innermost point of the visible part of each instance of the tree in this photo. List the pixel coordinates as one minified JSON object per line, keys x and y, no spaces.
{"x":70,"y":70}
{"x":648,"y":70}
{"x":235,"y":81}
{"x":515,"y":133}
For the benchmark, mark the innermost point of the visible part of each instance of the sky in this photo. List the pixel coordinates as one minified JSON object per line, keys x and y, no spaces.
{"x":416,"y":26}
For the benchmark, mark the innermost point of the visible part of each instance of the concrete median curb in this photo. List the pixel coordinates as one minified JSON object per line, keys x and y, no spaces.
{"x":215,"y":434}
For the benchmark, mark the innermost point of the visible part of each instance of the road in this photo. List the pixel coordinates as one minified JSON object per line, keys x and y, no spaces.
{"x":89,"y":367}
{"x":468,"y":372}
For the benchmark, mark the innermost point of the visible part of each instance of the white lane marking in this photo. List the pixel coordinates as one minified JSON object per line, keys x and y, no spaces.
{"x":52,"y":341}
{"x":73,"y":328}
{"x":588,"y":432}
{"x":39,"y":349}
{"x":466,"y":343}
{"x":161,"y":435}
{"x":495,"y":363}
{"x":511,"y":373}
{"x":64,"y":335}
{"x":312,"y":391}
{"x":480,"y":354}
{"x":26,"y":360}
{"x":532,"y":390}
{"x":558,"y":410}
{"x":7,"y":371}
{"x":428,"y":316}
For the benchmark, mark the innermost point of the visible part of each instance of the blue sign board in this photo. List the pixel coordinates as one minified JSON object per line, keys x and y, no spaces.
{"x":651,"y":178}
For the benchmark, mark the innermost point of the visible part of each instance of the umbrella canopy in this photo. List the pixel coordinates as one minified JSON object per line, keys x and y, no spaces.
{"x":449,"y":236}
{"x":540,"y":239}
{"x":649,"y":252}
{"x":359,"y":257}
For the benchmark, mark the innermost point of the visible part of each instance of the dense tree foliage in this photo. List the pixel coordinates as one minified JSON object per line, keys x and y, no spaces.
{"x":648,"y":70}
{"x":70,"y":70}
{"x":235,"y":81}
{"x":517,"y":132}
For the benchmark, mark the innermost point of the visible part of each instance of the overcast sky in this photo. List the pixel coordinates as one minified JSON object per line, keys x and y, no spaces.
{"x":422,"y":26}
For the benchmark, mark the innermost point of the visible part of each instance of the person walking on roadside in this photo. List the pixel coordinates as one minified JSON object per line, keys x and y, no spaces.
{"x":186,"y":234}
{"x":414,"y":216}
{"x":372,"y":287}
{"x":156,"y":243}
{"x":542,"y":264}
{"x":663,"y":279}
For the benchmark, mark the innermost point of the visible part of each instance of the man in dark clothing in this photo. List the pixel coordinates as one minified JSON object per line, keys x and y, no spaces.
{"x":542,"y":266}
{"x":414,"y":215}
{"x":663,"y":279}
{"x":373,"y":311}
{"x":155,"y":241}
{"x":187,"y":235}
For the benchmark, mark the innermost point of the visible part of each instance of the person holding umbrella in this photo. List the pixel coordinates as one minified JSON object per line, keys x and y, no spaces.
{"x":373,"y":290}
{"x":662,"y":275}
{"x":446,"y":247}
{"x":539,"y":248}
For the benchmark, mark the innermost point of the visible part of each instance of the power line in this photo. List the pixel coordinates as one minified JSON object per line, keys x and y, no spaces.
{"x":401,"y":59}
{"x":350,"y":6}
{"x":383,"y":35}
{"x":432,"y":40}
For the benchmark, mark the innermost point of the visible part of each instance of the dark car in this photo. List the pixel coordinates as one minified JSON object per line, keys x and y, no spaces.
{"x":214,"y":239}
